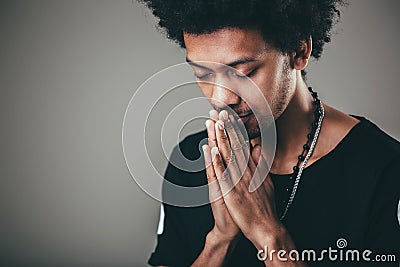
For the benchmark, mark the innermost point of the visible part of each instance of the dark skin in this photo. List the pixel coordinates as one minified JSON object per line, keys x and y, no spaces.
{"x":234,"y":211}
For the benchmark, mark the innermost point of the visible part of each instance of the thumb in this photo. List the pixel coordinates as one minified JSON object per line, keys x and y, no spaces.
{"x":261,"y":171}
{"x":255,"y":153}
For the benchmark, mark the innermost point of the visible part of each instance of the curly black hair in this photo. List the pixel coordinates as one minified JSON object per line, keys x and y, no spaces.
{"x":283,"y":23}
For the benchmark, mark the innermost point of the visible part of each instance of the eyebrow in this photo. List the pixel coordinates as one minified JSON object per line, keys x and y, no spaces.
{"x":232,"y":64}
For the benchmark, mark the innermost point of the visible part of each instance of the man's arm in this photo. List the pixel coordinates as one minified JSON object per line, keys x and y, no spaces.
{"x":216,"y":251}
{"x":222,"y":239}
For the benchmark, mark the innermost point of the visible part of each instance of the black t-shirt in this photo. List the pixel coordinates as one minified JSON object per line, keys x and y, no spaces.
{"x":351,"y":194}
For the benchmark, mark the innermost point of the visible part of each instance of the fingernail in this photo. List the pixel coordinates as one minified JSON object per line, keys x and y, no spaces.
{"x":204,"y":147}
{"x":206,"y":155}
{"x":231,"y":118}
{"x":214,"y":151}
{"x":208,"y":123}
{"x":224,"y":115}
{"x":213,"y":114}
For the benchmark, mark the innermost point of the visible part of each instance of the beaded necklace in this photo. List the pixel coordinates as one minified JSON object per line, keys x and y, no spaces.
{"x":308,"y":148}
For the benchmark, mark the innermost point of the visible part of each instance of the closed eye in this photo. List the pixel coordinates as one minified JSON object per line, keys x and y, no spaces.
{"x":252,"y":72}
{"x":203,"y":77}
{"x":241,"y":76}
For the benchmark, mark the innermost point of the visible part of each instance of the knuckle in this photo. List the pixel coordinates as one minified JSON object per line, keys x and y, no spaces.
{"x":227,"y":159}
{"x":212,"y":141}
{"x":236,"y":147}
{"x":219,"y":164}
{"x":214,"y":187}
{"x":225,"y":176}
{"x":211,"y":176}
{"x":232,"y":158}
{"x":224,"y":137}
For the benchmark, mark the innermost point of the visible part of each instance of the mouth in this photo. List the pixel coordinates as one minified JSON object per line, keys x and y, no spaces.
{"x":245,"y":118}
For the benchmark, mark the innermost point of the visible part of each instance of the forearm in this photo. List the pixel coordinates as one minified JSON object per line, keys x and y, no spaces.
{"x":216,"y":251}
{"x":274,"y":249}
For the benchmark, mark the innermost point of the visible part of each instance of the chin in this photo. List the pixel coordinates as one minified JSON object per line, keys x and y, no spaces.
{"x":253,"y":131}
{"x":253,"y":134}
{"x":253,"y":128}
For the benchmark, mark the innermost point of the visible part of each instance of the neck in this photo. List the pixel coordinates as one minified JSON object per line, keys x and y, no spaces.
{"x":294,"y":124}
{"x":292,"y":128}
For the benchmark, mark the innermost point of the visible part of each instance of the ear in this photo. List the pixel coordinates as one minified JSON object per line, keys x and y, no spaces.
{"x":301,"y":56}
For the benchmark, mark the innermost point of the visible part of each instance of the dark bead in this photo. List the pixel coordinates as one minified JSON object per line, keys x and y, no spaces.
{"x":317,"y":112}
{"x":306,"y":147}
{"x":310,"y":136}
{"x":314,"y":125}
{"x":295,"y":169}
{"x":317,"y":102}
{"x":301,"y":157}
{"x":314,"y":94}
{"x":310,"y":89}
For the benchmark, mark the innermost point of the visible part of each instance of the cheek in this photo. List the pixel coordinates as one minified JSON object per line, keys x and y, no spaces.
{"x":271,"y":79}
{"x":268,"y":85}
{"x":265,"y":84}
{"x":206,"y":89}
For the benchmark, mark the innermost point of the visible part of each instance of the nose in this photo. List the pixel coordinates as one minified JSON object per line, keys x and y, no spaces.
{"x":223,"y":95}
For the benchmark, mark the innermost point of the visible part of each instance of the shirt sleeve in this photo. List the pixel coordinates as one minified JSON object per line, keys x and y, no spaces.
{"x":383,"y":233}
{"x":172,"y":245}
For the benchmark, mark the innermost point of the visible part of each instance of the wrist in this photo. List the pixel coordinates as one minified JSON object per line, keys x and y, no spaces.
{"x":217,"y":238}
{"x":275,"y":237}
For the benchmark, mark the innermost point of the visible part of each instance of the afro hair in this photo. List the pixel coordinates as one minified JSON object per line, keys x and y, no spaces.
{"x":283,"y":23}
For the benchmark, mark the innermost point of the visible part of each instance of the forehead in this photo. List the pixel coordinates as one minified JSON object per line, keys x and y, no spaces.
{"x":225,"y":44}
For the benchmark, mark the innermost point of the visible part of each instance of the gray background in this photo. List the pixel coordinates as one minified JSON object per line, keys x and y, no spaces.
{"x":67,"y":72}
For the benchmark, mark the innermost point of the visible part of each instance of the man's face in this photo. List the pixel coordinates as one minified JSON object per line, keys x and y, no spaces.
{"x":249,"y":55}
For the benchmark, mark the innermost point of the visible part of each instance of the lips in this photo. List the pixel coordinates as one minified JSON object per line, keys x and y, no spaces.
{"x":246,"y":118}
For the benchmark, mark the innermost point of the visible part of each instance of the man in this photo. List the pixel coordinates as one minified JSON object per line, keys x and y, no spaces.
{"x":349,"y":186}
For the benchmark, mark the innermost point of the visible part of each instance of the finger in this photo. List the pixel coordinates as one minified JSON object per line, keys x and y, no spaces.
{"x":256,"y":153}
{"x":210,"y":124}
{"x":225,"y":150}
{"x":213,"y":186}
{"x":258,"y":158}
{"x":240,"y":136}
{"x":223,"y":142}
{"x":212,"y":141}
{"x":213,"y":115}
{"x":261,"y":170}
{"x":264,"y":173}
{"x":223,"y":177}
{"x":236,"y":145}
{"x":252,"y":177}
{"x":245,"y":144}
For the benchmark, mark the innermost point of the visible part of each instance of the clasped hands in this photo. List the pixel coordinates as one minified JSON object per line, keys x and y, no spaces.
{"x":230,"y":166}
